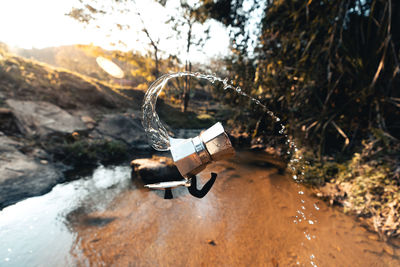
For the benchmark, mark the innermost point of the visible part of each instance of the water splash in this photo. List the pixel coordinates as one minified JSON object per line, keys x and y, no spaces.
{"x":159,"y":137}
{"x":156,"y":132}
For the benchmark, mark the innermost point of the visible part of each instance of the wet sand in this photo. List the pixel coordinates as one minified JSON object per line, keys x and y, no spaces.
{"x":247,"y":219}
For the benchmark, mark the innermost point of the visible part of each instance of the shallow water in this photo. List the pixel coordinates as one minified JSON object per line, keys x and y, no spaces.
{"x":37,"y":232}
{"x":246,"y":219}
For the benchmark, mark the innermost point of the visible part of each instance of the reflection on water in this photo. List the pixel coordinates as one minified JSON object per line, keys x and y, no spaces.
{"x":252,"y":216}
{"x":35,"y":232}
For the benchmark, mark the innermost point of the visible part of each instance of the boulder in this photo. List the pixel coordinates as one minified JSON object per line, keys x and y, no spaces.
{"x":89,"y":122}
{"x":122,"y":127}
{"x":155,"y":170}
{"x":22,"y":176}
{"x":43,"y":118}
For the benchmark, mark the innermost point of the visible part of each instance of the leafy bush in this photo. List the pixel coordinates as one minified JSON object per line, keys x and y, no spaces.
{"x":86,"y":152}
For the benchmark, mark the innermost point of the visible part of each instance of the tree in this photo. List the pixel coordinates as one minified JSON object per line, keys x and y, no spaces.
{"x":154,"y":44}
{"x":91,"y":11}
{"x":330,"y":68}
{"x":333,"y":67}
{"x":183,"y":23}
{"x":183,"y":19}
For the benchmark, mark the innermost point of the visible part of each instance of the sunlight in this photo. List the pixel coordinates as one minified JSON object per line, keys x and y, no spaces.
{"x":43,"y":23}
{"x":39,"y":24}
{"x":110,"y":67}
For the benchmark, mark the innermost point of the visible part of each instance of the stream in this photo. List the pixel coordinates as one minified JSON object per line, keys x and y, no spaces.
{"x":253,"y":216}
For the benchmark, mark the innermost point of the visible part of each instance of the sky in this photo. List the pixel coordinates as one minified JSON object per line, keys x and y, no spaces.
{"x":43,"y":23}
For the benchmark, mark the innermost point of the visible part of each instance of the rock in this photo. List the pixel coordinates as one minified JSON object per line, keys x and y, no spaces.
{"x":155,"y":170}
{"x":43,"y":118}
{"x":89,"y":122}
{"x":21,"y":176}
{"x":39,"y":154}
{"x":122,"y":127}
{"x":211,"y":242}
{"x":88,"y":119}
{"x":5,"y":111}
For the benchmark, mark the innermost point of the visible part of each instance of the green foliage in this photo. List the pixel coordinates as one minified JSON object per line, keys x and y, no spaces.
{"x":176,"y":119}
{"x":321,"y":67}
{"x":371,"y":186}
{"x":87,"y":152}
{"x":370,"y":180}
{"x":329,"y":69}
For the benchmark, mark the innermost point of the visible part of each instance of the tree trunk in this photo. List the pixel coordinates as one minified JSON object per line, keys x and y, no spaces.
{"x":157,"y":68}
{"x":188,"y":68}
{"x":186,"y":92}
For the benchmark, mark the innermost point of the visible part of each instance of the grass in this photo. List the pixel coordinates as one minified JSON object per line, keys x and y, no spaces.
{"x":370,"y":180}
{"x":27,"y":79}
{"x":174,"y":118}
{"x":88,"y":152}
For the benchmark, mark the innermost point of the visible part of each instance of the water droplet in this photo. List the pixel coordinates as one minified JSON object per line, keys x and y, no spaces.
{"x":7,"y":259}
{"x":307,"y":236}
{"x":312,"y":257}
{"x":316,"y":207}
{"x":310,"y":222}
{"x":9,"y":250}
{"x":301,"y":193}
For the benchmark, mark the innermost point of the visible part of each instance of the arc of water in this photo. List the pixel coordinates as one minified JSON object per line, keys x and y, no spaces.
{"x":155,"y":130}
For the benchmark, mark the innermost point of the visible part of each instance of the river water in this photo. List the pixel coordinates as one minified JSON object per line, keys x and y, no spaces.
{"x":249,"y":218}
